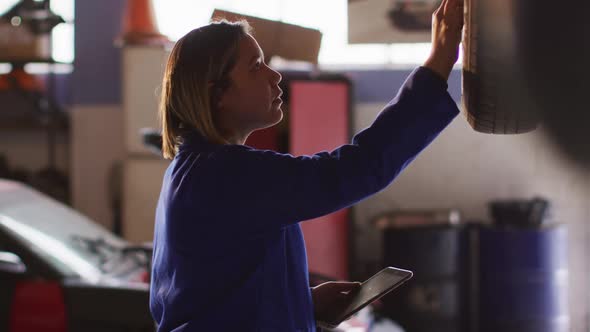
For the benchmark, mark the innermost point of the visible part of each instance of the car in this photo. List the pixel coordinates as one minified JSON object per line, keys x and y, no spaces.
{"x":60,"y":271}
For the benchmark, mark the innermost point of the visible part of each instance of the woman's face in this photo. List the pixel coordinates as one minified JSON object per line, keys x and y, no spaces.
{"x":252,"y":101}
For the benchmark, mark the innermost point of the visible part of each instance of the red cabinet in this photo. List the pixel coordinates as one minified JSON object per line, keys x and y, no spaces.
{"x":317,"y":118}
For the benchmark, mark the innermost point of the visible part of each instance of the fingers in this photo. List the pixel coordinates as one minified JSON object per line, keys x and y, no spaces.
{"x":447,"y":5}
{"x":453,"y":14}
{"x":441,"y":8}
{"x":342,"y":286}
{"x":347,"y":288}
{"x":351,"y":285}
{"x":452,"y":7}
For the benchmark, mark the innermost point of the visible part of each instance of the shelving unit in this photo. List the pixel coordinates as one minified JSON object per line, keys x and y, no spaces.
{"x":38,"y":111}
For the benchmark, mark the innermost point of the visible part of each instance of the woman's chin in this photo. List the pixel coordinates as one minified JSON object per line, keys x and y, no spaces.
{"x":277,"y":114}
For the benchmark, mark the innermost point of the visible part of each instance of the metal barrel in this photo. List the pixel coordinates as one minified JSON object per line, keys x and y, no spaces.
{"x":523,"y":279}
{"x":435,"y":299}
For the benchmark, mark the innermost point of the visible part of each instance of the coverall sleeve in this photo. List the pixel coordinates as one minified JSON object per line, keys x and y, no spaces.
{"x":271,"y":189}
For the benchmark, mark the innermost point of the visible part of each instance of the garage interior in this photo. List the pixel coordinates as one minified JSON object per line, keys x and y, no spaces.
{"x":491,"y":218}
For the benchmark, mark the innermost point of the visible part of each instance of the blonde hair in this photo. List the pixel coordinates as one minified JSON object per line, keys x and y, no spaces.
{"x":196,"y":74}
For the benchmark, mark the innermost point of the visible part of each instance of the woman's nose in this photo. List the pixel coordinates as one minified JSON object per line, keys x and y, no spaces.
{"x":276,"y":77}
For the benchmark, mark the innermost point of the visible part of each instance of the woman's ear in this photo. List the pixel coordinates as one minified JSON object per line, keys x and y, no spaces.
{"x":216,"y":95}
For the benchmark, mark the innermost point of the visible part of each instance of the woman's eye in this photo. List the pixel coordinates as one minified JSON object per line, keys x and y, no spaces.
{"x":258,"y":65}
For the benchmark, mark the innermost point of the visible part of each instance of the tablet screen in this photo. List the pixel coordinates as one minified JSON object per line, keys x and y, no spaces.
{"x":373,"y":288}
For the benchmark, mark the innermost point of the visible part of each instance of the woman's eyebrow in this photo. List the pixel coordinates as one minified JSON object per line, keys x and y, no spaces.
{"x":254,"y":58}
{"x":262,"y":55}
{"x":257,"y":56}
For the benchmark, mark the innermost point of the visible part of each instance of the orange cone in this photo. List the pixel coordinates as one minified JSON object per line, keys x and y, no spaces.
{"x":139,"y":25}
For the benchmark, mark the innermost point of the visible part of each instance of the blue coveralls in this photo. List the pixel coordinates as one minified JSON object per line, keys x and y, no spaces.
{"x":229,"y":254}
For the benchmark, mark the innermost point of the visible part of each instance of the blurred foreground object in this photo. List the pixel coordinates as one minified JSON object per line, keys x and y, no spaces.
{"x":526,"y":62}
{"x":555,"y":63}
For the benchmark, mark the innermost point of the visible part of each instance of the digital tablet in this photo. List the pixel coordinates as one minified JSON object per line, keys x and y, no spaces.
{"x":371,"y":289}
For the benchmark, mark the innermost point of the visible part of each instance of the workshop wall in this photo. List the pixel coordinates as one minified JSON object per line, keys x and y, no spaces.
{"x":464,"y":169}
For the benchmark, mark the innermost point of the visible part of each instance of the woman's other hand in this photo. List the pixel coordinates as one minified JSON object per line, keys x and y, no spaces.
{"x":447,"y":27}
{"x":331,"y":298}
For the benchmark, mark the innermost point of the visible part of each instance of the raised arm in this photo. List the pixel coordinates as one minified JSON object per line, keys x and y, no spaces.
{"x":265,"y":188}
{"x":268,"y":189}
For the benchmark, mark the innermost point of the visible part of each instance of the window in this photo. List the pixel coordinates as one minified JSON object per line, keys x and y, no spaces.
{"x":177,"y":17}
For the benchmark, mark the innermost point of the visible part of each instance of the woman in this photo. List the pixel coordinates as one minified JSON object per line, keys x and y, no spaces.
{"x":229,"y":254}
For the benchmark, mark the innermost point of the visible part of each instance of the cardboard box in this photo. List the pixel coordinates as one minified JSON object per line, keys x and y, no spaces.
{"x":285,"y":40}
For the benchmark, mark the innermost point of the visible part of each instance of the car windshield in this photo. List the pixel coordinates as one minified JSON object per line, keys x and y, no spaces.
{"x":68,"y":240}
